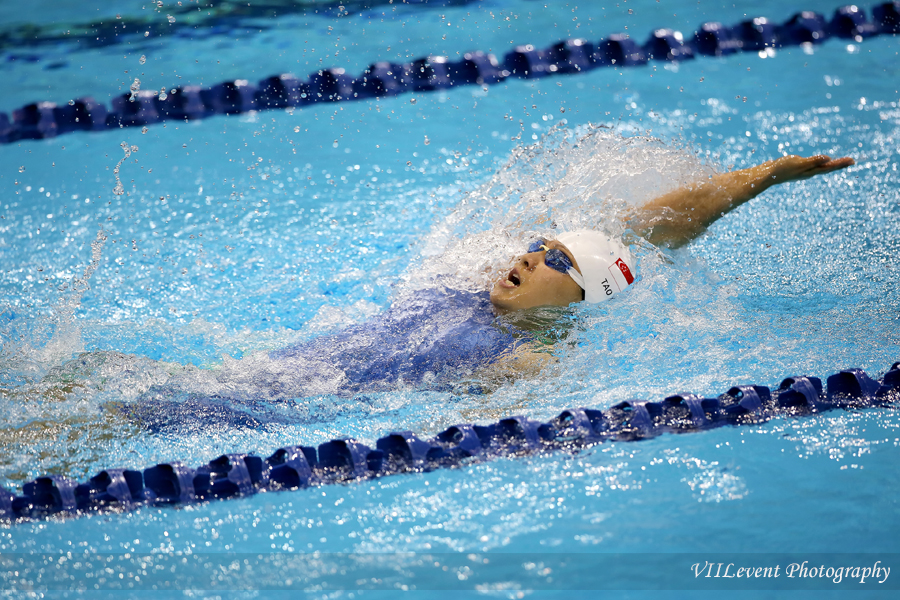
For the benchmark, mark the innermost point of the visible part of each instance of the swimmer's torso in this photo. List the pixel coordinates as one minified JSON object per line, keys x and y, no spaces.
{"x":436,"y":336}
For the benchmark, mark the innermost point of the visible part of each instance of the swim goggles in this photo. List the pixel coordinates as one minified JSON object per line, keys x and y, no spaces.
{"x":557,"y":260}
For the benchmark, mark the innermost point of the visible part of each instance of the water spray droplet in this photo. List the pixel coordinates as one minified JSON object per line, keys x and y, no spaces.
{"x":71,"y":103}
{"x":412,"y":100}
{"x":144,"y":130}
{"x":162,"y":94}
{"x":142,"y":59}
{"x":171,"y":19}
{"x":427,"y":141}
{"x":297,"y":129}
{"x":119,"y":189}
{"x":135,"y":88}
{"x":21,"y":169}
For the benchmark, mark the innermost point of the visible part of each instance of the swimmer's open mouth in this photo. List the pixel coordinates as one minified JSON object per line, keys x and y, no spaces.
{"x":513,"y":278}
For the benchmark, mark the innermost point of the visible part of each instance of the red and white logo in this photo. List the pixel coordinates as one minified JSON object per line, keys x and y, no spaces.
{"x":625,"y":271}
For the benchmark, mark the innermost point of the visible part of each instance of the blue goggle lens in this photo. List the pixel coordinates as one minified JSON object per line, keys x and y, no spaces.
{"x":555,"y":259}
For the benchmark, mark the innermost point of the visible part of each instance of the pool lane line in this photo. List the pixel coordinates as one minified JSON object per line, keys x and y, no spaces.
{"x":348,"y":460}
{"x":42,"y":120}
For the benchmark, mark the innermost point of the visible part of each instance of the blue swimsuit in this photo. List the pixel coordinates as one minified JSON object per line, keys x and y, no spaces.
{"x":428,"y":341}
{"x":435,"y":336}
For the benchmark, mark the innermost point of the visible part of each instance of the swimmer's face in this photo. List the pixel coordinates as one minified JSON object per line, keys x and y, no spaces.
{"x":532,"y":283}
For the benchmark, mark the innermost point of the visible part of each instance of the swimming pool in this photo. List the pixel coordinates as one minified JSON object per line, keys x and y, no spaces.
{"x":250,"y":232}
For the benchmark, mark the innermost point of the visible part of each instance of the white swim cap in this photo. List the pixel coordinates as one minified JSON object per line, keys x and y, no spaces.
{"x":606,"y":265}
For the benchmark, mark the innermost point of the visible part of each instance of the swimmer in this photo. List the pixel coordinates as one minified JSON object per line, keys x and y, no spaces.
{"x":446,"y":339}
{"x":588,"y":266}
{"x":672,"y":220}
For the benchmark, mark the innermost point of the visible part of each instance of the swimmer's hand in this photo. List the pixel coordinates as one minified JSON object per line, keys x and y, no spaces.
{"x":795,"y":168}
{"x":526,"y":361}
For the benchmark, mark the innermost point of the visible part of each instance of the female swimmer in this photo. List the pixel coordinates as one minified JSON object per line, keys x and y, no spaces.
{"x":444,"y":338}
{"x":433,"y":339}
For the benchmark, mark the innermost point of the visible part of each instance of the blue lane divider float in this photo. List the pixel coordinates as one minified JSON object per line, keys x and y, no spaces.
{"x":345,"y":460}
{"x":46,"y":120}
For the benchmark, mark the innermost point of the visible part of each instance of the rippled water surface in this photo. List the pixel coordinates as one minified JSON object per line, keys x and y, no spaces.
{"x":242,"y":234}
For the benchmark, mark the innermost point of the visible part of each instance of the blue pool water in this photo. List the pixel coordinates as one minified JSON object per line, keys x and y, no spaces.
{"x":242,"y":234}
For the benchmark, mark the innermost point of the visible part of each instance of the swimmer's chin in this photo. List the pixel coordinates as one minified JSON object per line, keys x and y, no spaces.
{"x":498,"y":298}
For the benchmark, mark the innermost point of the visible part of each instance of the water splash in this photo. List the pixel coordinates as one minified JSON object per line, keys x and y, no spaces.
{"x":31,"y":346}
{"x":66,"y":339}
{"x":120,"y":189}
{"x":258,"y":377}
{"x":585,"y":177}
{"x":135,"y":87}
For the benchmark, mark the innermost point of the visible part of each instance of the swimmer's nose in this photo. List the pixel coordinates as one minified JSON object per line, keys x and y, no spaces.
{"x":530,"y":260}
{"x":527,"y":265}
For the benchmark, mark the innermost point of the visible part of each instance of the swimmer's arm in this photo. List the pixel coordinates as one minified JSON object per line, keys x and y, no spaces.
{"x":678,"y":217}
{"x":525,"y":361}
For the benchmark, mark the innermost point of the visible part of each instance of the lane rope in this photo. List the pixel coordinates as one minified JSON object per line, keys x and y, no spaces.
{"x":347,"y":460}
{"x":42,"y":120}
